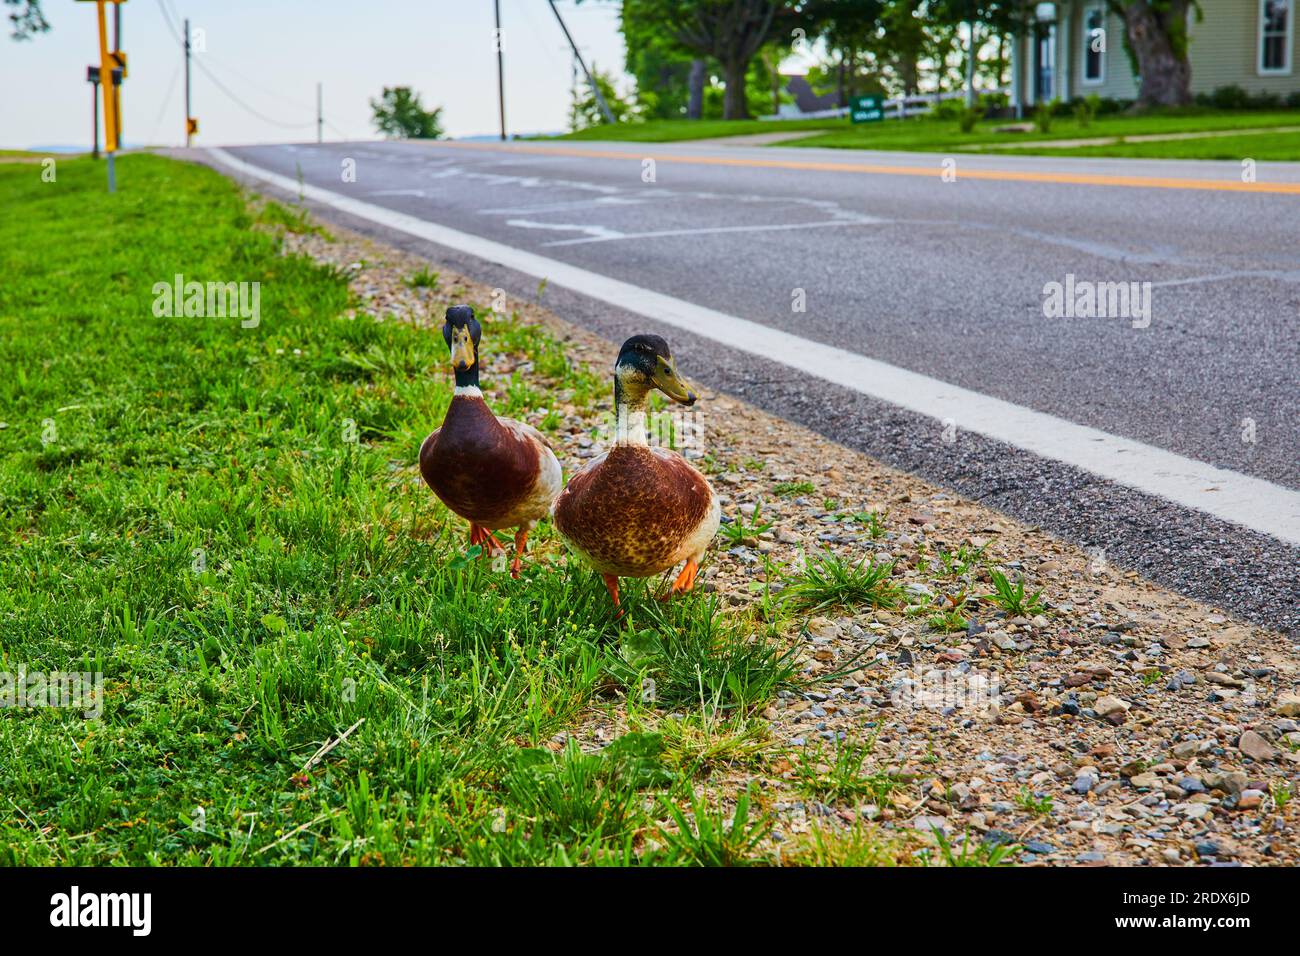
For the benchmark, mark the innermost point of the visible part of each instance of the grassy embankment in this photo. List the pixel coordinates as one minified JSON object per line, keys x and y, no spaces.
{"x":225,"y":521}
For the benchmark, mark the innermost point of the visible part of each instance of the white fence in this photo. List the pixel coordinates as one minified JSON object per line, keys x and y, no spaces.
{"x":899,"y":108}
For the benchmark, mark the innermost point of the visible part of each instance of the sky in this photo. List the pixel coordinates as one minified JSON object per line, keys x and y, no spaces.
{"x":271,"y":54}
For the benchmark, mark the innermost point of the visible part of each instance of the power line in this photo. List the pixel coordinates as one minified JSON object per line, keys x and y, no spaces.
{"x":171,"y":88}
{"x":239,"y":102}
{"x":234,"y":97}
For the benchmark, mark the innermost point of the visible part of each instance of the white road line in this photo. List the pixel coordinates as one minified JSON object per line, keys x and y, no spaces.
{"x":1252,"y":502}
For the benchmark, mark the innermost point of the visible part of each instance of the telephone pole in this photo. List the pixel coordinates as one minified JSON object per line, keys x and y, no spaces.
{"x":189,"y":121}
{"x":501,"y":68}
{"x":604,"y":107}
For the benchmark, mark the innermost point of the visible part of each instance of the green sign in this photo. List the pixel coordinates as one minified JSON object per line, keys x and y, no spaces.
{"x":867,"y":109}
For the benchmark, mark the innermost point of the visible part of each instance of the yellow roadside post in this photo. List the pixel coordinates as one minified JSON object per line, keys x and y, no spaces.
{"x":112,"y":70}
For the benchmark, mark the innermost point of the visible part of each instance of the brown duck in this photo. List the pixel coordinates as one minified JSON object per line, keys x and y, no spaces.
{"x":637,"y":511}
{"x":493,"y":472}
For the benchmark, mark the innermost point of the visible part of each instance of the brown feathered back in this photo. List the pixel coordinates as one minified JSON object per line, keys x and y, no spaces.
{"x":631,"y":512}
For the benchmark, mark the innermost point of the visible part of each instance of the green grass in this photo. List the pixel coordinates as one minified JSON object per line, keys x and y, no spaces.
{"x":669,"y":131}
{"x":928,"y":135}
{"x":423,"y":279}
{"x":788,"y":489}
{"x":291,"y":218}
{"x":1040,"y":806}
{"x":226,"y":523}
{"x":1012,"y":597}
{"x":1280,"y":147}
{"x":829,"y":582}
{"x":846,"y":777}
{"x":739,"y":531}
{"x":933,"y":135}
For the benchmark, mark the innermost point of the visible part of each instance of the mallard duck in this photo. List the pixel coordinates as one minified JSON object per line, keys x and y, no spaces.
{"x":493,"y":472}
{"x":637,"y":511}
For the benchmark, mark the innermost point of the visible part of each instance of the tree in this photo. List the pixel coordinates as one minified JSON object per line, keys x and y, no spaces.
{"x":848,"y":27}
{"x":728,"y":31}
{"x":1155,"y":36}
{"x":398,"y":114}
{"x":28,"y":19}
{"x":668,"y":79}
{"x":584,"y":111}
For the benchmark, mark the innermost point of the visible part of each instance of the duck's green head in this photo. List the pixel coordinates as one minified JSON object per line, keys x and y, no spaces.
{"x":461,"y":332}
{"x":645,"y":362}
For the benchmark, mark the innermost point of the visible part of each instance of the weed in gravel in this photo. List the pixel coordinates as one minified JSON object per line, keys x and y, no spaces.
{"x":788,"y":489}
{"x":959,"y":563}
{"x":844,"y":777}
{"x":1011,"y":597}
{"x":422,"y":279}
{"x":862,"y":844}
{"x":830,"y":581}
{"x":1039,"y":806}
{"x":874,"y":522}
{"x":708,"y":839}
{"x":948,"y":622}
{"x":1281,"y":793}
{"x":971,"y":852}
{"x":739,"y":531}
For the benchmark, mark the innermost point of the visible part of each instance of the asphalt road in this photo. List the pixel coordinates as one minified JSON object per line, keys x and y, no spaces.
{"x":947,"y":279}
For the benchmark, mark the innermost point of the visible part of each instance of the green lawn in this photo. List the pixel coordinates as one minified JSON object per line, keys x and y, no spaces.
{"x":929,"y":135}
{"x":182,"y":508}
{"x":669,"y":131}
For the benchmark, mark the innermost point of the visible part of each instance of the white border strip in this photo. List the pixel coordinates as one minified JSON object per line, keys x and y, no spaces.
{"x":1252,"y":502}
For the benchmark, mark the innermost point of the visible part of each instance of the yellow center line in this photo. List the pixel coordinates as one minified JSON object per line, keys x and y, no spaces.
{"x":936,"y":171}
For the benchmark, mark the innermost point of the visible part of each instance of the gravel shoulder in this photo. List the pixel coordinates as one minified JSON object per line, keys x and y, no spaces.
{"x":1123,"y":724}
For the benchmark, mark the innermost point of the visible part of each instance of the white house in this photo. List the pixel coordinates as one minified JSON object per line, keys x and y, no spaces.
{"x":1077,"y":48}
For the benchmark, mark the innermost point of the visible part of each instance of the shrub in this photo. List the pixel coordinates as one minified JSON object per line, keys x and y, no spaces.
{"x":1230,"y":97}
{"x":1043,"y":117}
{"x":1085,"y":110}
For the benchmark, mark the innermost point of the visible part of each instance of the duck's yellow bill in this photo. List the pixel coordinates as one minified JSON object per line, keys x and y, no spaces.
{"x":673,"y":385}
{"x":462,"y":349}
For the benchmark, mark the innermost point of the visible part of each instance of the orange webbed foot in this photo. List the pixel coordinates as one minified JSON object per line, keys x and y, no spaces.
{"x":686,"y":580}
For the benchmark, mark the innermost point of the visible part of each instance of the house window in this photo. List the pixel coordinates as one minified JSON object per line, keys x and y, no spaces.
{"x":1275,"y":28}
{"x":1094,"y":45}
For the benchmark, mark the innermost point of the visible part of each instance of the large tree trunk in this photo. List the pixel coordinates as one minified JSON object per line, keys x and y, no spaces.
{"x":695,"y":101}
{"x":734,"y":102}
{"x":1158,"y":38}
{"x":909,"y":72}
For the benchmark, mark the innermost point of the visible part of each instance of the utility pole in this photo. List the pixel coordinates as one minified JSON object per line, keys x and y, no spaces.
{"x":92,"y":77}
{"x":320,"y":117}
{"x":501,"y":68}
{"x":189,"y":117}
{"x":604,"y":107}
